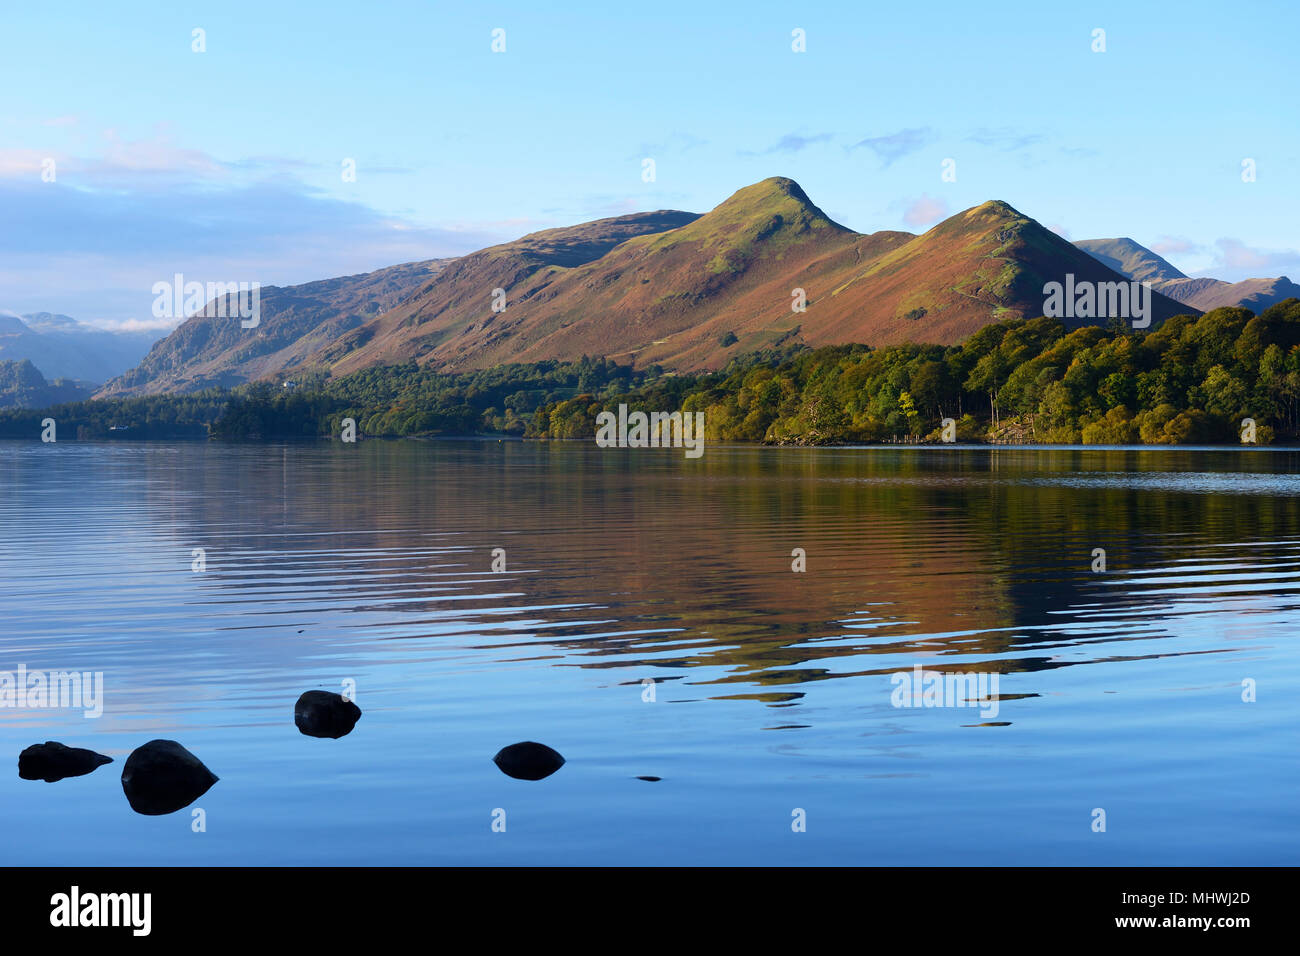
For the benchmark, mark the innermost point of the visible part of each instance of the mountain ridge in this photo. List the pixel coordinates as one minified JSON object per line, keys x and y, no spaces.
{"x":1129,"y":258}
{"x":764,"y":268}
{"x":1203,"y":293}
{"x":61,"y":347}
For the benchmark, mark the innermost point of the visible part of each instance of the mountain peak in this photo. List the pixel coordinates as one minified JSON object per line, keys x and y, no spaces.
{"x":995,"y":208}
{"x":777,"y":203}
{"x":1130,"y":258}
{"x":775,"y":186}
{"x":773,"y":193}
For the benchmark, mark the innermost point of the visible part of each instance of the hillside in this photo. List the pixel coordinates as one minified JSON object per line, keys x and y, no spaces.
{"x":987,"y":263}
{"x":23,"y":386}
{"x":1130,"y":259}
{"x":686,"y":291}
{"x":1254,"y":294}
{"x":208,"y":349}
{"x":691,"y":298}
{"x":62,"y":347}
{"x":1202,"y":292}
{"x":460,"y":302}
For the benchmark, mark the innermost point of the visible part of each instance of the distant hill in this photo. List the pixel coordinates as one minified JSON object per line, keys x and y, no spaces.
{"x":1128,"y":258}
{"x":1202,"y":293}
{"x":23,"y":386}
{"x":1254,"y":294}
{"x":678,"y":289}
{"x":213,"y":349}
{"x":58,"y":324}
{"x":62,"y":347}
{"x":300,"y":323}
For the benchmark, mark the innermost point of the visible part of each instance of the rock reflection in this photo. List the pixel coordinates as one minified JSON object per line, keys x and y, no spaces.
{"x":528,"y":761}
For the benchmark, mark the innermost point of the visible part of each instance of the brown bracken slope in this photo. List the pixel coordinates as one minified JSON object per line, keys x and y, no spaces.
{"x":678,"y":289}
{"x":675,"y":297}
{"x":212,"y":347}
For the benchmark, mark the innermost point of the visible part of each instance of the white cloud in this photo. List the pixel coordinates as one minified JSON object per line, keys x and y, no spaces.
{"x":924,"y":212}
{"x":1174,"y":246}
{"x":1234,"y":256}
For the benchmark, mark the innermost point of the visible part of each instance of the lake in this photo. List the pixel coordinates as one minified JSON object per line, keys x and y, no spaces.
{"x":648,"y":622}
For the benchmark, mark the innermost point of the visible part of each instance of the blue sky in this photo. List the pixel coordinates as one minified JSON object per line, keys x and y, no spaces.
{"x":226,"y":165}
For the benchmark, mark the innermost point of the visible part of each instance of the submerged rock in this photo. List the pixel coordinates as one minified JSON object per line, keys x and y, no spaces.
{"x":320,"y":713}
{"x":163,"y":777}
{"x":53,"y":761}
{"x":528,"y":761}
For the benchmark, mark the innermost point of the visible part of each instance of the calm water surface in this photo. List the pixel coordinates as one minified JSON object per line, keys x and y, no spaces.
{"x":372,"y":563}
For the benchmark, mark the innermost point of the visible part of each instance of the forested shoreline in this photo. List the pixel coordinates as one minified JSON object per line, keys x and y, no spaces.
{"x":1191,"y":380}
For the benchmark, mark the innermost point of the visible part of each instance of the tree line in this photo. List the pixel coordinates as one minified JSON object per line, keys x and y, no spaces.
{"x":1192,"y":379}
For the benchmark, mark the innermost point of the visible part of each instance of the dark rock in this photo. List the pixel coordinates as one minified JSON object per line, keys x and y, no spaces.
{"x":320,"y":713}
{"x":528,"y":761}
{"x":53,"y":761}
{"x":163,"y":777}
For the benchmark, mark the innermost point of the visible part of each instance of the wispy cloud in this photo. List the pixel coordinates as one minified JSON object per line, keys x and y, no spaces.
{"x":924,"y":212}
{"x":158,"y":154}
{"x":135,"y":325}
{"x":157,"y":159}
{"x":1004,"y":138}
{"x":672,"y":143}
{"x":92,"y":243}
{"x":895,"y":146}
{"x":1175,"y":246}
{"x":1234,"y":261}
{"x":16,"y":162}
{"x":790,"y":143}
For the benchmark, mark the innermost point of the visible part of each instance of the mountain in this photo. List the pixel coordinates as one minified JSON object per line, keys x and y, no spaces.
{"x":58,"y":324}
{"x":62,"y":347}
{"x":23,"y":386}
{"x":458,"y":307}
{"x":703,"y":275}
{"x":213,"y":348}
{"x":1130,"y":259}
{"x":300,"y":323}
{"x":987,"y":263}
{"x":682,"y":290}
{"x":1201,"y":293}
{"x":691,"y":297}
{"x":1254,"y":294}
